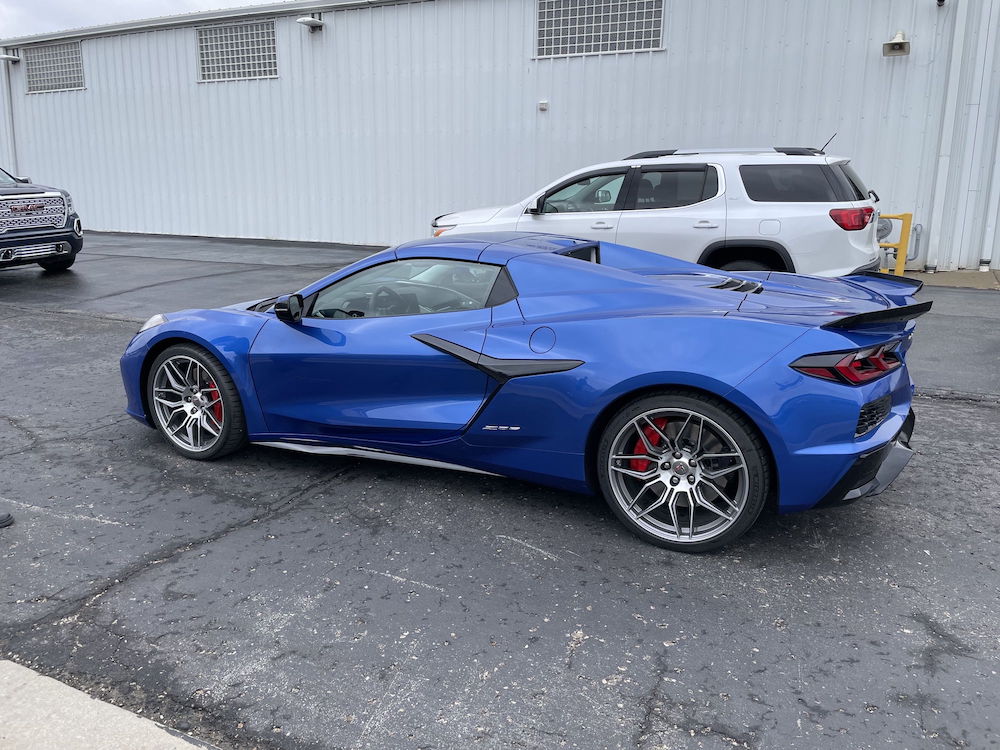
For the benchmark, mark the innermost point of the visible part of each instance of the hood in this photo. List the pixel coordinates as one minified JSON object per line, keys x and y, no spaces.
{"x":472,"y":216}
{"x":26,"y":189}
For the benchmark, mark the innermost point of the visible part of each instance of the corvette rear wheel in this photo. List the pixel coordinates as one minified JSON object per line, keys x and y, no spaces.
{"x":194,"y":403}
{"x":683,"y":471}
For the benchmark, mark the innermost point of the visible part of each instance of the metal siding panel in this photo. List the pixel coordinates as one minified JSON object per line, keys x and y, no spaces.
{"x":394,"y":114}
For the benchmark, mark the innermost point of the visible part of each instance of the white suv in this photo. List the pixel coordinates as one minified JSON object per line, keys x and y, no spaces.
{"x":784,"y":209}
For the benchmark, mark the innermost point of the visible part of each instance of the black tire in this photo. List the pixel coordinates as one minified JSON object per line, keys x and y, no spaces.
{"x":724,"y":425}
{"x":233,"y":433}
{"x":58,"y":264}
{"x":746,"y":265}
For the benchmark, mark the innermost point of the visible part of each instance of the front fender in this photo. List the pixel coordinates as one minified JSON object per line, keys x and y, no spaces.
{"x":226,"y":334}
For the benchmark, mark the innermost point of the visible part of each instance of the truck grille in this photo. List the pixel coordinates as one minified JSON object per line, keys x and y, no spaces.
{"x":873,"y":414}
{"x":32,"y":212}
{"x":32,"y":252}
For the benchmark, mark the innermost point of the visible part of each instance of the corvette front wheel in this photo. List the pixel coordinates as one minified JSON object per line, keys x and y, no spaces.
{"x":683,"y":471}
{"x":194,"y":403}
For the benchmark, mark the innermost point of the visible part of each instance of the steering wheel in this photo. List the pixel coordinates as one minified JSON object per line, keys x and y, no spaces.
{"x":571,"y":206}
{"x":394,"y":299}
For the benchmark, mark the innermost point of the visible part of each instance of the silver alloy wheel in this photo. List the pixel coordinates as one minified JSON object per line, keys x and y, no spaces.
{"x":188,"y":403}
{"x":679,"y":475}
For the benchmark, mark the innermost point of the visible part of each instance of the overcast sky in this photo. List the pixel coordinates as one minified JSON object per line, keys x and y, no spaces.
{"x":24,"y":17}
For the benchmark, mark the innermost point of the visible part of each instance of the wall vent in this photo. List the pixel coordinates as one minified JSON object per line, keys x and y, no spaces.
{"x":238,"y":51}
{"x":587,"y":27}
{"x":53,"y":67}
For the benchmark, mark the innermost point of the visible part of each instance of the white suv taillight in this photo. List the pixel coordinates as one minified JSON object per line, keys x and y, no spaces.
{"x":852,"y":219}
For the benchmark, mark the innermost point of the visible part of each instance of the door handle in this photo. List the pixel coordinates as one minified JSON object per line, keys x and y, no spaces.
{"x":704,"y":224}
{"x":602,"y":225}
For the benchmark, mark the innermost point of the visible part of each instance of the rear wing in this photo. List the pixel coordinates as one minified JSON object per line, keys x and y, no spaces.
{"x":915,"y":283}
{"x":880,"y":317}
{"x":899,"y":290}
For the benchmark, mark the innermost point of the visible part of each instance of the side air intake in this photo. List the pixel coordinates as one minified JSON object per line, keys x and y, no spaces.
{"x":746,"y":286}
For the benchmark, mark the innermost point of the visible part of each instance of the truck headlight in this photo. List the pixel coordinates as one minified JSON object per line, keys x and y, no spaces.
{"x":69,"y":203}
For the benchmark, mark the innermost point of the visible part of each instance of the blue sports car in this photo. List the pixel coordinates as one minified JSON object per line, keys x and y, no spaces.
{"x":688,"y":397}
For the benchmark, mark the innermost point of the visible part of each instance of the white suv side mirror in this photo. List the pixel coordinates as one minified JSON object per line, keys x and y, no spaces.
{"x":535,"y":206}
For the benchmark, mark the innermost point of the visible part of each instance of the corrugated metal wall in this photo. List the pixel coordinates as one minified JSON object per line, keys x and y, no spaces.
{"x":396,"y":113}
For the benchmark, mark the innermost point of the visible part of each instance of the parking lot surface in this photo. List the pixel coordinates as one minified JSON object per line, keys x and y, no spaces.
{"x":280,"y":600}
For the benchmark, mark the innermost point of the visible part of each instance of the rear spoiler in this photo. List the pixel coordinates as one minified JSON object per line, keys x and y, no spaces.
{"x":905,"y":280}
{"x":891,"y":315}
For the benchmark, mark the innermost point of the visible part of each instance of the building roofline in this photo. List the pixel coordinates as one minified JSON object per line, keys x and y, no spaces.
{"x":289,"y":7}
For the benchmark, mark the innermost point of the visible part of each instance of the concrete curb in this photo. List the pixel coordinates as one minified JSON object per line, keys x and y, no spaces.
{"x":39,"y":712}
{"x":960,"y":279}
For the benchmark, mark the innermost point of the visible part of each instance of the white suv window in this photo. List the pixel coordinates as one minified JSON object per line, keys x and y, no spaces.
{"x":672,"y":188}
{"x":590,"y":193}
{"x":795,"y":183}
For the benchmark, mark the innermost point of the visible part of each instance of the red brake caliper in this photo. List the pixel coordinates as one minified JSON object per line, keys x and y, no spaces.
{"x":641,"y":464}
{"x":214,"y":395}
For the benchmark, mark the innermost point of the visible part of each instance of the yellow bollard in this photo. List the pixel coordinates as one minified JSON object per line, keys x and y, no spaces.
{"x":902,"y":247}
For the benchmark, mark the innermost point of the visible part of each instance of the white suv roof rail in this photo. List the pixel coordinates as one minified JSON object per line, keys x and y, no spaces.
{"x":787,"y":150}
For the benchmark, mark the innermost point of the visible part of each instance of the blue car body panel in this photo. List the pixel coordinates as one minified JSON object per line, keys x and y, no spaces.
{"x":632,"y":323}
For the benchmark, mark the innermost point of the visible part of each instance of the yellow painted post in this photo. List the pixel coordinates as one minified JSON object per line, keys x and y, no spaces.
{"x":902,"y":247}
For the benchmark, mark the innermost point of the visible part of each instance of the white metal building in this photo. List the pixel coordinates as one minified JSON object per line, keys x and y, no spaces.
{"x":246,"y":123}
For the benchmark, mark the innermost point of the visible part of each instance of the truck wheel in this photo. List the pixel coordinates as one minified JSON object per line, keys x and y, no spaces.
{"x":58,"y":264}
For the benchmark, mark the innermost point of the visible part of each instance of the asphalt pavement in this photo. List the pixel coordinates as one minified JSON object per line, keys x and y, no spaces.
{"x":280,"y":600}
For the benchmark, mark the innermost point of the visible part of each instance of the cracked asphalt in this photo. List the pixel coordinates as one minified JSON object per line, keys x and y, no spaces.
{"x":280,"y":600}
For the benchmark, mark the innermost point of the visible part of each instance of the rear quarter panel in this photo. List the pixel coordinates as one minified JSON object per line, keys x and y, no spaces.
{"x":555,"y":413}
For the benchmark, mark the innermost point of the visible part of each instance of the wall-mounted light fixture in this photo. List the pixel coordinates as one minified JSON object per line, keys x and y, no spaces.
{"x":896,"y":46}
{"x":314,"y":22}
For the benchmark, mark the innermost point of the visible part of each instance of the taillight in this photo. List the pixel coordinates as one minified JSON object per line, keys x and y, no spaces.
{"x":852,"y":219}
{"x":852,"y":368}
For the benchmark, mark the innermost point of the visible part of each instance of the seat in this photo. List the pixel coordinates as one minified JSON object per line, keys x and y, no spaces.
{"x":645,"y":197}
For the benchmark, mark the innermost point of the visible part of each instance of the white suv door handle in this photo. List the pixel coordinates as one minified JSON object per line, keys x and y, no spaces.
{"x":705,"y":224}
{"x":602,"y":225}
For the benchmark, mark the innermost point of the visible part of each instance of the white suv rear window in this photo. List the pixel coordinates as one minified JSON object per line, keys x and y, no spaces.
{"x":791,"y":183}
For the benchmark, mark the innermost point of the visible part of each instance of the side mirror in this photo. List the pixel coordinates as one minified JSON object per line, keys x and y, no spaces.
{"x":603,"y":196}
{"x":23,"y":180}
{"x":288,"y":308}
{"x":535,"y":207}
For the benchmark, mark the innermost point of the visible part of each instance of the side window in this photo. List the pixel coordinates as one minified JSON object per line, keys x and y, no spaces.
{"x":416,"y":286}
{"x":671,"y":188}
{"x":852,"y":183}
{"x":591,"y":193}
{"x":792,"y":183}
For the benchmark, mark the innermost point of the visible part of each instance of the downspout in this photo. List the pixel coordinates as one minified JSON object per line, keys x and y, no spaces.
{"x":947,"y":134}
{"x":990,"y":255}
{"x":10,"y":119}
